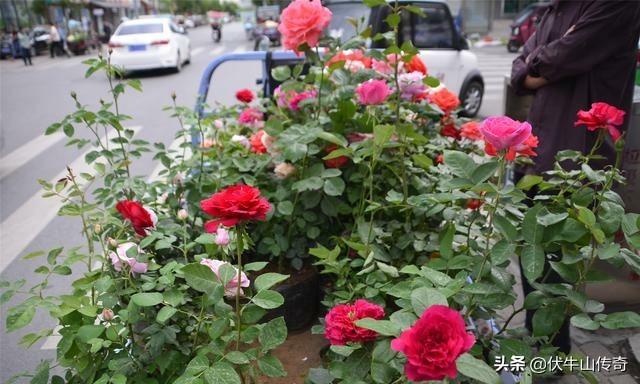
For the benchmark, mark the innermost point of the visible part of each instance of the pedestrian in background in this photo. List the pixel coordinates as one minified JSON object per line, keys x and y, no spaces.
{"x":55,"y":41}
{"x":25,"y":45}
{"x":582,"y":52}
{"x":15,"y":44}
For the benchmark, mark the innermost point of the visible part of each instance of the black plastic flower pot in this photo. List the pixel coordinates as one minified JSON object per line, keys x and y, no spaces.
{"x":301,"y":294}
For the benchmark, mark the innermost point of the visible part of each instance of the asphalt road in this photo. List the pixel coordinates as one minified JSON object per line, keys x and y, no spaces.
{"x":34,"y":97}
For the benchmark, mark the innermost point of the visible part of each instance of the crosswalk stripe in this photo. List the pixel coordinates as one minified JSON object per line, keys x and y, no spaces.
{"x":197,"y":51}
{"x":27,"y":152}
{"x":216,"y":51}
{"x":239,"y":49}
{"x":24,"y":225}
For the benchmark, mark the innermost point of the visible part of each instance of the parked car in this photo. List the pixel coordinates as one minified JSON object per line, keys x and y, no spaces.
{"x":268,"y":29}
{"x":150,"y":43}
{"x":40,"y":39}
{"x":442,"y":48}
{"x":525,"y":24}
{"x":6,"y":47}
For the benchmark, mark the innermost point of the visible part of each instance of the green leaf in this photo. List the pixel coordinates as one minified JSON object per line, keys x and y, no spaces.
{"x":334,"y":186}
{"x":548,"y":319}
{"x":226,"y":273}
{"x":165,"y":314}
{"x":237,"y":357}
{"x":382,"y":134}
{"x":221,"y":373}
{"x":528,"y":182}
{"x":446,"y":241}
{"x":19,"y":316}
{"x":422,"y":161}
{"x":374,"y":3}
{"x":383,"y":327}
{"x":547,"y":218}
{"x":532,"y":259}
{"x":41,"y":375}
{"x":619,"y":320}
{"x":199,"y":277}
{"x":422,"y":298}
{"x":505,"y":227}
{"x":393,"y":19}
{"x":585,"y":216}
{"x":271,"y":366}
{"x":281,"y":73}
{"x":582,"y":320}
{"x":477,"y":369}
{"x":484,"y":171}
{"x":501,"y":252}
{"x":268,"y":280}
{"x":330,"y":137}
{"x":147,"y":299}
{"x":268,"y":299}
{"x":88,"y":332}
{"x":197,"y":365}
{"x":461,"y":164}
{"x":273,"y":334}
{"x":255,"y":266}
{"x":532,"y":231}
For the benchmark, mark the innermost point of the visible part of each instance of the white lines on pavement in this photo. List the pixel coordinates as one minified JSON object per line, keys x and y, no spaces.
{"x":25,"y":223}
{"x":216,"y":51}
{"x":197,"y":51}
{"x":26,"y":152}
{"x":52,"y":341}
{"x":239,"y":49}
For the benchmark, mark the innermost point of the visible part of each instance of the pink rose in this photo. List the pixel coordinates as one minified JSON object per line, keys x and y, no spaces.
{"x":119,"y":258}
{"x":222,"y":236}
{"x":303,"y":21}
{"x":294,"y":102}
{"x":382,"y":67}
{"x":411,"y":85}
{"x":252,"y":117}
{"x":231,"y":288}
{"x":373,"y":92}
{"x":340,"y":322}
{"x":433,"y":344}
{"x":503,"y":133}
{"x":604,"y":116}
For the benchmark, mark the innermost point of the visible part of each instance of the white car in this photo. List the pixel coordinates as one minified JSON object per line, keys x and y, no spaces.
{"x":150,"y":43}
{"x":444,"y":51}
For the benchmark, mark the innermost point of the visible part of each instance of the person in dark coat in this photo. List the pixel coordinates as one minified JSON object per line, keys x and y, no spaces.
{"x":582,"y":52}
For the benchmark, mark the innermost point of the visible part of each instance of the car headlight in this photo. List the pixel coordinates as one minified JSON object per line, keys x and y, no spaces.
{"x":515,"y":31}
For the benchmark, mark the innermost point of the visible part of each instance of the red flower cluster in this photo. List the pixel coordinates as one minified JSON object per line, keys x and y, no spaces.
{"x":471,"y":131}
{"x":340,"y":322}
{"x":433,"y":344}
{"x":235,"y":204}
{"x":449,"y":130}
{"x":336,"y":162}
{"x":245,"y":96}
{"x":474,"y":204}
{"x":525,"y":148}
{"x":260,"y":142}
{"x":415,"y":65}
{"x":602,"y":116}
{"x":141,"y":218}
{"x":356,"y":55}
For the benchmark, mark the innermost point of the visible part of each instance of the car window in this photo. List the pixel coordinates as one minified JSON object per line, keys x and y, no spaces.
{"x":433,"y":30}
{"x":174,"y":28}
{"x":342,"y":12}
{"x":134,"y":29}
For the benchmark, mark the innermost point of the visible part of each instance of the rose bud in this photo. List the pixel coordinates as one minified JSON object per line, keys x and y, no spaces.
{"x":474,"y":204}
{"x":97,"y":228}
{"x":284,"y":170}
{"x":107,"y":314}
{"x":183,"y":214}
{"x":440,"y":159}
{"x":112,"y":242}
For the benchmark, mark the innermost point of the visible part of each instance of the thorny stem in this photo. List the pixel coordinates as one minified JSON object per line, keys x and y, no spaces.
{"x":200,"y":317}
{"x":115,"y":103}
{"x":239,"y":232}
{"x":511,"y":317}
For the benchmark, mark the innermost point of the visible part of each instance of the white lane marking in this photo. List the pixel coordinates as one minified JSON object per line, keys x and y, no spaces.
{"x":197,"y":51}
{"x":174,"y":146}
{"x":52,"y":341}
{"x":216,"y":51}
{"x":27,"y":152}
{"x":23,"y":226}
{"x":239,"y":49}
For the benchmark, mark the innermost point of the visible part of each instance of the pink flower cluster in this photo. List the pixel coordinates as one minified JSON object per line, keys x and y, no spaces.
{"x":119,"y":258}
{"x":231,"y":288}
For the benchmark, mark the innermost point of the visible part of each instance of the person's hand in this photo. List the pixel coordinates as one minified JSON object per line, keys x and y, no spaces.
{"x":534,"y":83}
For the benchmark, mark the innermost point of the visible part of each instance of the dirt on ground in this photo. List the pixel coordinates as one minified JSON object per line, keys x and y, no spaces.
{"x":298,"y":354}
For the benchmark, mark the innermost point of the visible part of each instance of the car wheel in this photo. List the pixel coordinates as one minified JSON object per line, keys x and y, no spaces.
{"x":188,"y":61}
{"x":178,"y":66}
{"x":471,"y":99}
{"x":512,"y":47}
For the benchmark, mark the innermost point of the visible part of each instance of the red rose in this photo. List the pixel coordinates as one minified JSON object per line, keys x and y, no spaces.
{"x":433,"y":344}
{"x":251,"y":117}
{"x":604,"y":116}
{"x":140,"y":217}
{"x":471,"y":131}
{"x":233,"y":205}
{"x":440,"y":159}
{"x":449,"y":130}
{"x":416,"y":64}
{"x":340,"y":323}
{"x":356,"y":137}
{"x":474,"y":204}
{"x":260,"y":142}
{"x":336,"y":162}
{"x":244,"y":96}
{"x":445,"y":100}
